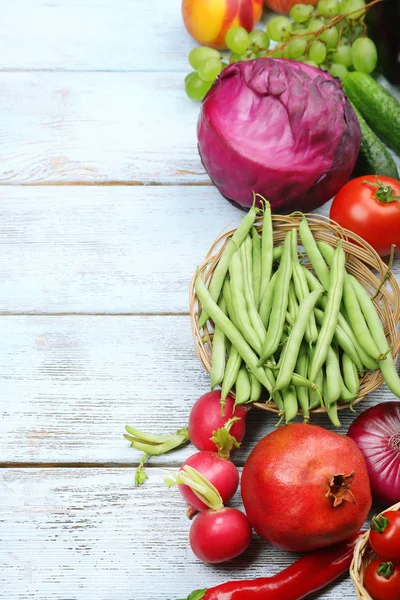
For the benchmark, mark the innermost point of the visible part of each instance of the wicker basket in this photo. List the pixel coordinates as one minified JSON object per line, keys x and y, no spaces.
{"x":363,"y":555}
{"x":361,"y":260}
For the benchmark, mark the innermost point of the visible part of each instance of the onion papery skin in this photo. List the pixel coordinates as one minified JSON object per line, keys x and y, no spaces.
{"x":377,"y":434}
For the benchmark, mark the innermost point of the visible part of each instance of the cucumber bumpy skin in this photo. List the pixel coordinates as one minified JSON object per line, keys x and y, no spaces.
{"x":374,"y":158}
{"x":378,"y":107}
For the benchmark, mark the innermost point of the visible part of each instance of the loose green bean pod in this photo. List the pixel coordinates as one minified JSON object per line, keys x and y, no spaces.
{"x":302,"y":393}
{"x":387,"y":364}
{"x":267,"y":244}
{"x":218,"y":355}
{"x":350,"y":375}
{"x":292,"y":347}
{"x":290,"y":403}
{"x":332,"y":387}
{"x":266,"y":301}
{"x":314,"y":254}
{"x":231,"y":332}
{"x":256,"y":249}
{"x":255,"y":318}
{"x":256,"y":388}
{"x":331,"y":314}
{"x":242,"y":386}
{"x":239,"y":301}
{"x":223,"y":264}
{"x":279,"y":302}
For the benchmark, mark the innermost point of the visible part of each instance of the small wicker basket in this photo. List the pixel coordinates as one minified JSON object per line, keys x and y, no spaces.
{"x":361,"y":260}
{"x":363,"y":555}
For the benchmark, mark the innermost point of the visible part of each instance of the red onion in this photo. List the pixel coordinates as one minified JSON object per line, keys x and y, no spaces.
{"x":377,"y":433}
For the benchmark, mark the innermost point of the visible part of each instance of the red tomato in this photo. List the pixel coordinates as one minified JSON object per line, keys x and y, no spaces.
{"x":385,"y":586}
{"x":385,"y":535}
{"x":367,"y":209}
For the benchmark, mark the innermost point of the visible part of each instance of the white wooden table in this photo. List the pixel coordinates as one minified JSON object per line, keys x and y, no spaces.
{"x":105,"y":211}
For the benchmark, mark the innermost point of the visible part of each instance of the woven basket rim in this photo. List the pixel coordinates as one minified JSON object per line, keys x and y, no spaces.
{"x":359,"y":257}
{"x":362,"y":556}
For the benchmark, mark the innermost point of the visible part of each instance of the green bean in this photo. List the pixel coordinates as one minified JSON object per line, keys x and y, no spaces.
{"x":302,"y":393}
{"x":256,"y":243}
{"x":387,"y":364}
{"x":367,"y":360}
{"x":231,"y":332}
{"x":218,"y":355}
{"x":332,"y":387}
{"x":299,"y":381}
{"x":345,"y":394}
{"x":267,"y":244}
{"x":350,"y":375}
{"x":256,"y":388}
{"x":314,"y":254}
{"x":243,"y":322}
{"x":231,"y":372}
{"x":301,"y":290}
{"x":292,"y":347}
{"x":248,"y":252}
{"x":223,"y":264}
{"x":255,"y":320}
{"x":277,"y":253}
{"x":279,"y":302}
{"x":315,"y":398}
{"x":331,"y":314}
{"x":227,"y":295}
{"x":312,"y":281}
{"x":342,"y":338}
{"x":292,"y":302}
{"x":353,"y":309}
{"x":242,"y":387}
{"x":332,"y":411}
{"x":290,"y":403}
{"x":266,"y":301}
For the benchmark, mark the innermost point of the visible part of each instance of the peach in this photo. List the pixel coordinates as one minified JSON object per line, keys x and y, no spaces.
{"x":208,"y":21}
{"x":283,"y":6}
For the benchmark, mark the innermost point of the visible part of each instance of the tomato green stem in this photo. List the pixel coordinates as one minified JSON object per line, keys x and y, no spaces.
{"x":385,"y":569}
{"x":379,"y":523}
{"x":384,"y":193}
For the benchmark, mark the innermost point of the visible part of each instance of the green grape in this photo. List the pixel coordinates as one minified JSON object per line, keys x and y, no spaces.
{"x":317,"y":52}
{"x":276,"y":54}
{"x":300,"y":13}
{"x":323,"y":66}
{"x":237,"y":40}
{"x":286,"y":52}
{"x":196,"y":88}
{"x":297,"y":47}
{"x":311,"y":63}
{"x":200,"y":54}
{"x":347,"y":6}
{"x":236,"y":57}
{"x":210,"y":68}
{"x":364,"y":55}
{"x":328,"y":8}
{"x":189,"y":76}
{"x":259,"y":38}
{"x":342,"y":56}
{"x":297,"y":28}
{"x":338,"y":70}
{"x":279,"y":28}
{"x":330,"y":37}
{"x":315,"y":24}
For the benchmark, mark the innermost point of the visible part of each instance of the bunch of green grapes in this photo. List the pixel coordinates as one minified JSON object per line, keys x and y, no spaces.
{"x":325,"y":36}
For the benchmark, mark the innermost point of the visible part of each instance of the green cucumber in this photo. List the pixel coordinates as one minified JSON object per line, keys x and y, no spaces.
{"x":378,"y":107}
{"x":374,"y":158}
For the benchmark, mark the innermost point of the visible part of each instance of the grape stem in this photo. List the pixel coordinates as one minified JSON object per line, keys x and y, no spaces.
{"x":317,"y":33}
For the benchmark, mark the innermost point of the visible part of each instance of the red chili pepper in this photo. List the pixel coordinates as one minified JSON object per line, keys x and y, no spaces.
{"x":307,"y":575}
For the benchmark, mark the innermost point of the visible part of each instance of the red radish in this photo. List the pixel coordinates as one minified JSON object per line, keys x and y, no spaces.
{"x":206,"y":418}
{"x":304,"y":487}
{"x":220,"y":535}
{"x":221,"y":473}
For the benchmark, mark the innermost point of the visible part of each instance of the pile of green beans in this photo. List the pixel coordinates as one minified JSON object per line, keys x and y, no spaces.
{"x":299,"y":337}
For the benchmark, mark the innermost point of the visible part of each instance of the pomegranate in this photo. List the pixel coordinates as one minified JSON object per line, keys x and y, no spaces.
{"x":304,"y":487}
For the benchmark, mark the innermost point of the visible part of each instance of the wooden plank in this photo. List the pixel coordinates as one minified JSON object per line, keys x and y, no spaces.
{"x":105,"y":249}
{"x":93,"y":35}
{"x":69,"y":385}
{"x":97,"y":128}
{"x":87,"y":534}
